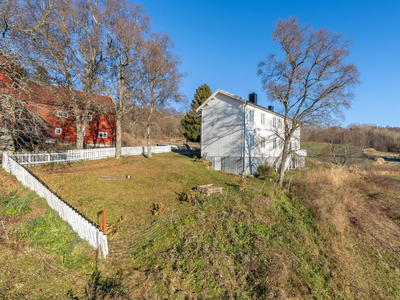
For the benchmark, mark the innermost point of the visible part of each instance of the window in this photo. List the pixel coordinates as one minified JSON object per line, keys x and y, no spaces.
{"x":89,"y":117}
{"x":274,"y":122}
{"x":263,"y":142}
{"x":251,"y":140}
{"x":62,"y":114}
{"x":32,"y":129}
{"x":103,"y":135}
{"x":251,"y":112}
{"x":274,"y":143}
{"x":58,"y":131}
{"x":263,"y":119}
{"x":280,"y":123}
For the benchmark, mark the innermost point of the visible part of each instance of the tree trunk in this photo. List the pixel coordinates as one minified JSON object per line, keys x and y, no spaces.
{"x":118,"y":141}
{"x":282,"y":169}
{"x":81,"y":126}
{"x":79,"y":136}
{"x":79,"y":141}
{"x":148,"y":142}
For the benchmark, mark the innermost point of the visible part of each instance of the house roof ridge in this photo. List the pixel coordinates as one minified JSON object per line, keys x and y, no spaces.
{"x":43,"y":93}
{"x":238,"y":98}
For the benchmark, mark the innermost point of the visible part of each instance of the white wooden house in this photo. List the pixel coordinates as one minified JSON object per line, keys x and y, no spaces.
{"x":238,"y":135}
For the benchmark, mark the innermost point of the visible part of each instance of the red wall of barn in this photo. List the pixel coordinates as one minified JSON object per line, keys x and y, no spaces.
{"x":99,"y":123}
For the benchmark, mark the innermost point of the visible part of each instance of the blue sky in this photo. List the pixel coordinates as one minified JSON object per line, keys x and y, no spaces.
{"x":221,"y":42}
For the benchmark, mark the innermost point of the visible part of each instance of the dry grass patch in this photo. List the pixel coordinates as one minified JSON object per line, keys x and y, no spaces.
{"x":358,"y":214}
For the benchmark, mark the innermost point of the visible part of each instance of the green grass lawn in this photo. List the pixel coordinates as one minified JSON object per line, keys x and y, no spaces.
{"x":161,"y":180}
{"x":254,"y":245}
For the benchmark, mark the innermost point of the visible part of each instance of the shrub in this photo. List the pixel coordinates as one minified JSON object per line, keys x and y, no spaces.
{"x":157,"y":209}
{"x":265,"y":170}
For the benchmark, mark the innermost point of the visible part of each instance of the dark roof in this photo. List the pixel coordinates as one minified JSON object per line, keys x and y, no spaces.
{"x":55,"y":95}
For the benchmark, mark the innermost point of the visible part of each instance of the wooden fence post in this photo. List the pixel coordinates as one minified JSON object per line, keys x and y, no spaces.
{"x":103,"y":221}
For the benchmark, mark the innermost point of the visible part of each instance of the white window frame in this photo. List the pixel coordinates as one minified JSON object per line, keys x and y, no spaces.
{"x":251,"y":140}
{"x":62,"y":114}
{"x":262,"y":118}
{"x":103,"y":135}
{"x":32,"y":129}
{"x":251,"y":112}
{"x":58,"y":131}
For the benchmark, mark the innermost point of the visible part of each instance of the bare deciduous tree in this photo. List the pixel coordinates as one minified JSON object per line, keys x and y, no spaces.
{"x":16,"y":119}
{"x":312,"y":81}
{"x":88,"y":18}
{"x":126,"y":26}
{"x":66,"y":38}
{"x":161,"y":79}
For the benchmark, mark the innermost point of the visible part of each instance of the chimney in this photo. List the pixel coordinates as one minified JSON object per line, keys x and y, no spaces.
{"x":253,"y":98}
{"x":271,"y":108}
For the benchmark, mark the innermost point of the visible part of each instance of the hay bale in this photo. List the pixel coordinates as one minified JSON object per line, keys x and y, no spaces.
{"x":379,"y":161}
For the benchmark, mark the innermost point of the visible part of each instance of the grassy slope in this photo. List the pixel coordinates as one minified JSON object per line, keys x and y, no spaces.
{"x":160,"y":180}
{"x":334,"y":234}
{"x":40,"y":247}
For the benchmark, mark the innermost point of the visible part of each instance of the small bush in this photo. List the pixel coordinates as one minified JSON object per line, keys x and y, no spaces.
{"x":265,"y":170}
{"x":192,"y":197}
{"x":157,"y":209}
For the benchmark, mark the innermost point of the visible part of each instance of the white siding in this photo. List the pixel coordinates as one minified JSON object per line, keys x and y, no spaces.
{"x":222,"y":130}
{"x":228,"y":126}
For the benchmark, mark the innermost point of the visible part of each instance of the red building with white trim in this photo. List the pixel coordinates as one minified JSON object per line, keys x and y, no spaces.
{"x":46,"y":101}
{"x":101,"y":127}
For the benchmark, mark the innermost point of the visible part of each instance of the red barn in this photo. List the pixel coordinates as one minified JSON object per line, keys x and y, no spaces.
{"x":45,"y":100}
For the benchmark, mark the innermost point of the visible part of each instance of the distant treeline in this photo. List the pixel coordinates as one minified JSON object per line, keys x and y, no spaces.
{"x":364,"y":136}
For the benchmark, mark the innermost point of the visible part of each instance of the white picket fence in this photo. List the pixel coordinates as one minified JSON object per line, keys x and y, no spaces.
{"x":32,"y":159}
{"x":85,"y":229}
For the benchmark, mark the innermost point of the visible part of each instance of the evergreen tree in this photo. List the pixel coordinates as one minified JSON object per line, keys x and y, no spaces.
{"x":191,"y":122}
{"x":41,"y":75}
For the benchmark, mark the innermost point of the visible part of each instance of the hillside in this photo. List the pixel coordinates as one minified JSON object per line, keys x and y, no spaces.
{"x":334,"y":234}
